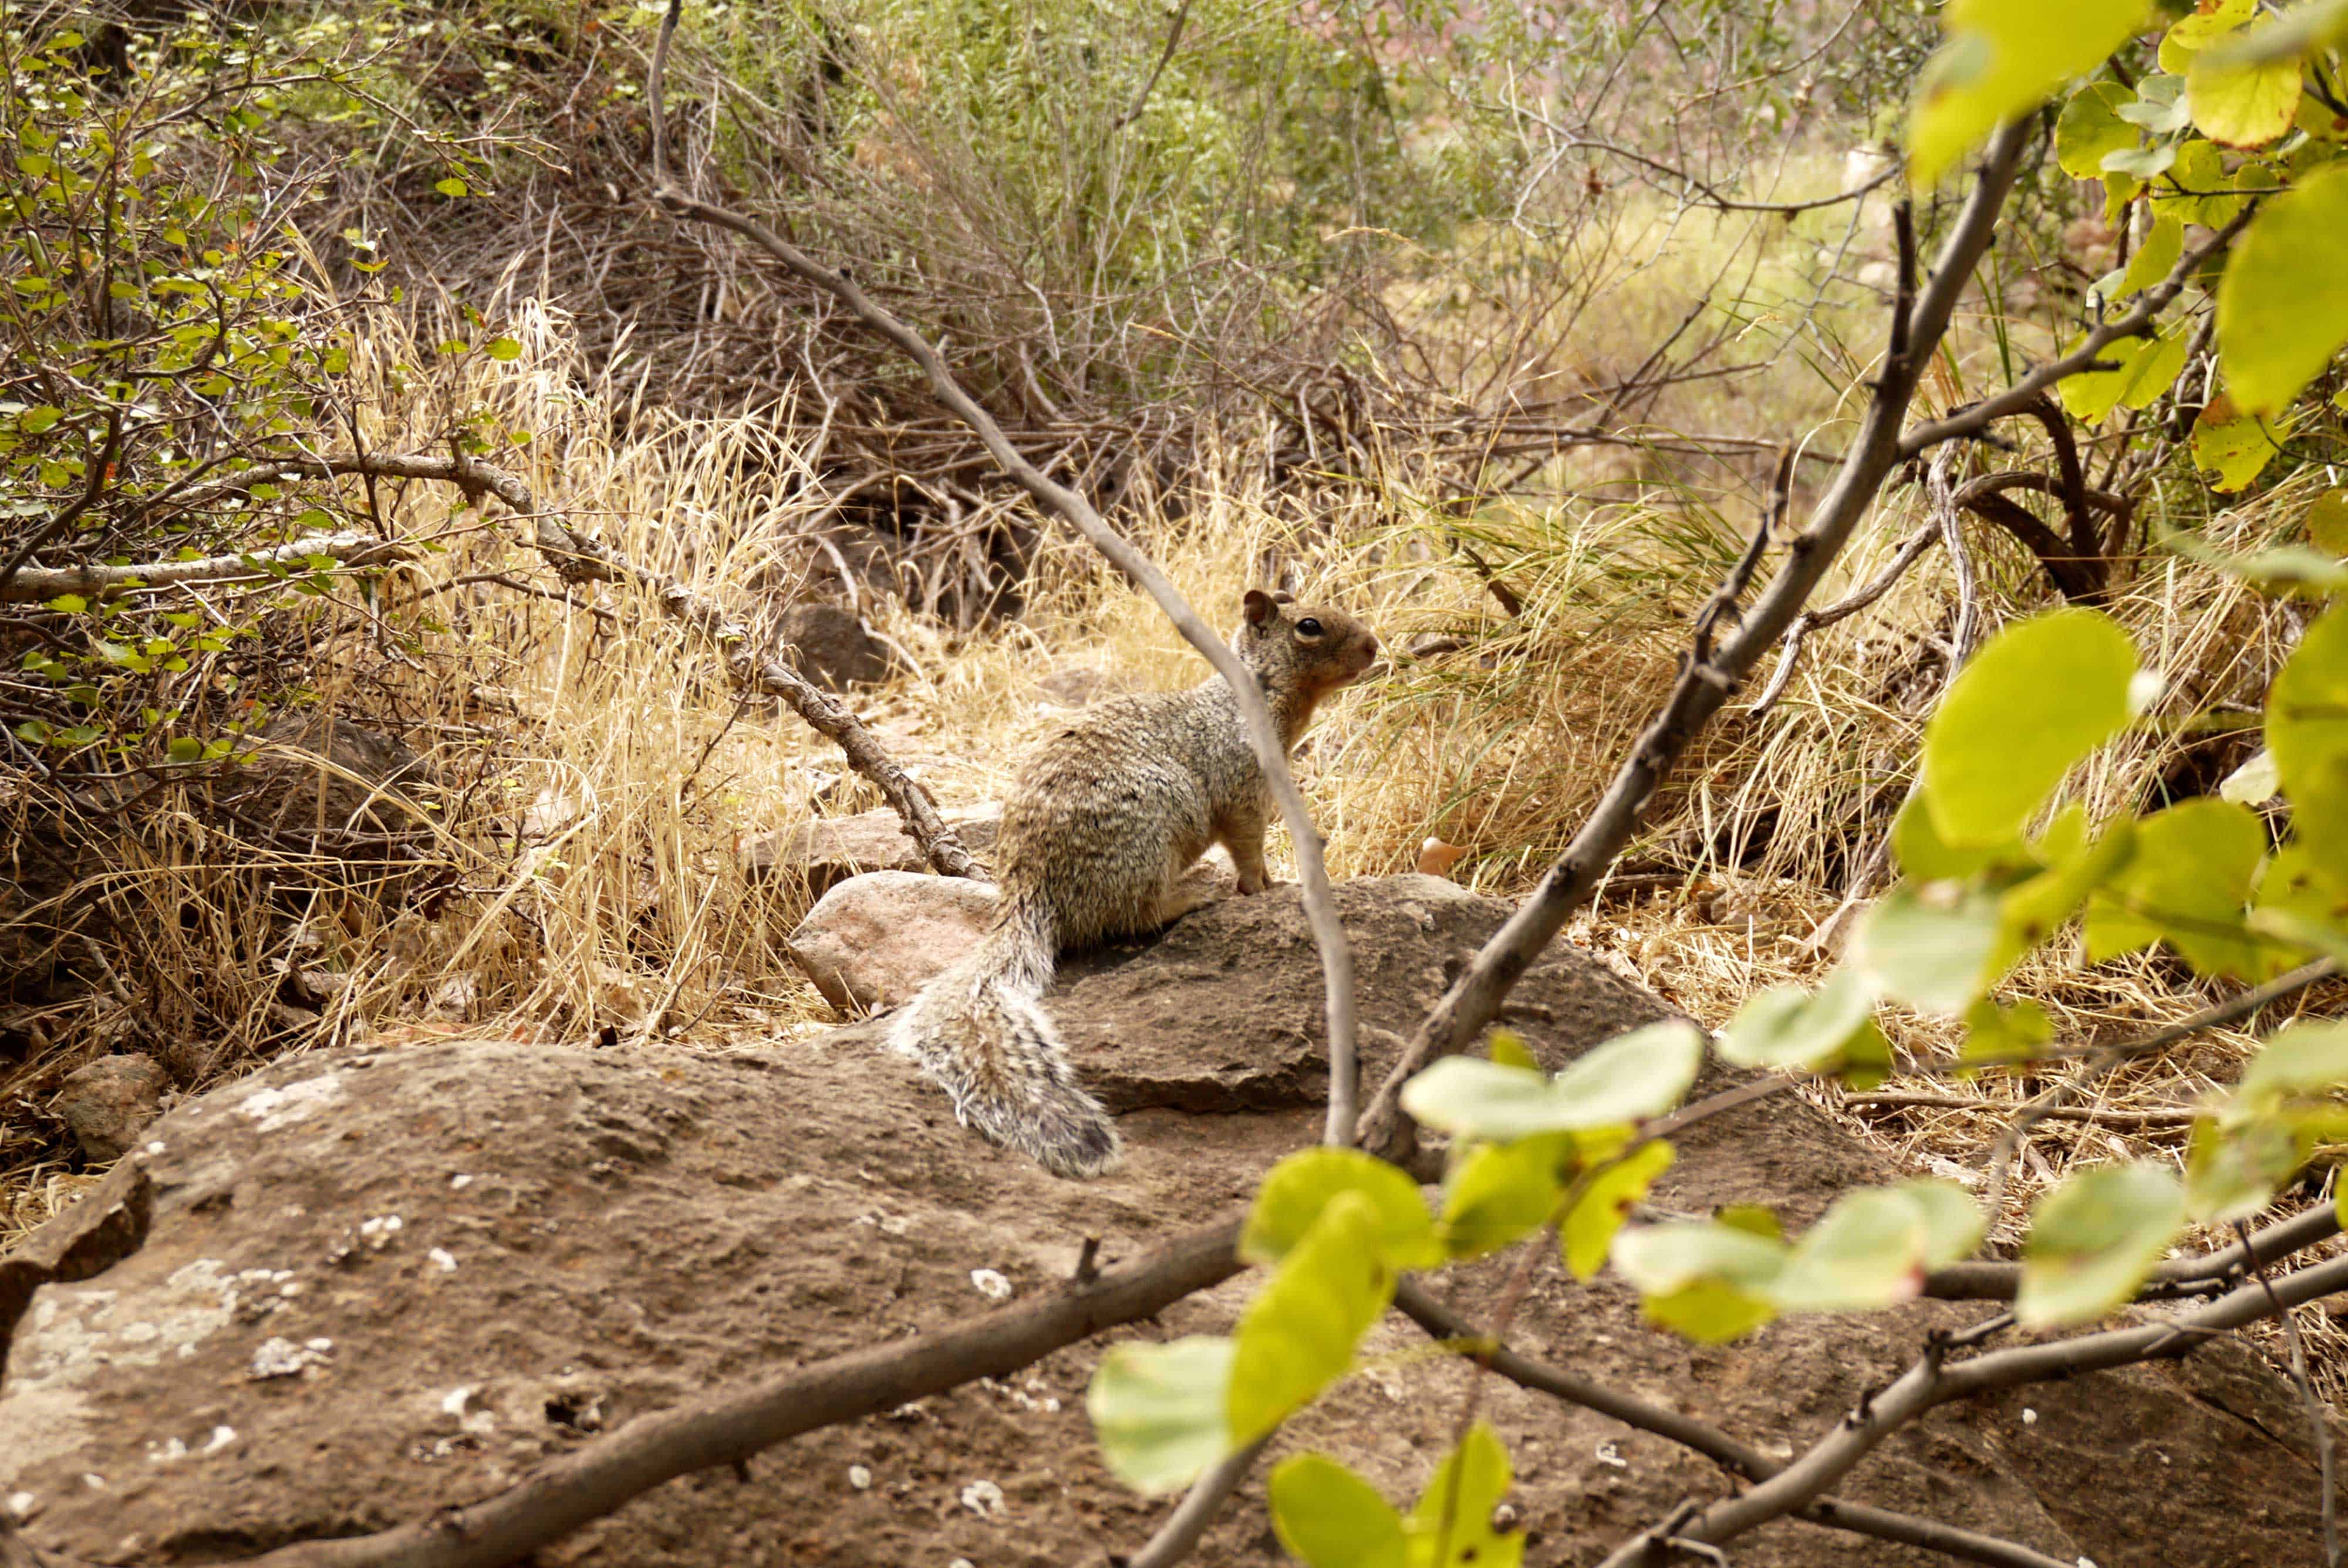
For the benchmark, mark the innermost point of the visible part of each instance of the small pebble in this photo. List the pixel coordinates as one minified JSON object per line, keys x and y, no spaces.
{"x":442,"y":1259}
{"x":984,"y":1498}
{"x":991,"y":1285}
{"x":859,"y":1477}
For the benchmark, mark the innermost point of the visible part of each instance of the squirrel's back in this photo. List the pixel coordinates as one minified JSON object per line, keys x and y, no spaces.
{"x":1106,"y":817}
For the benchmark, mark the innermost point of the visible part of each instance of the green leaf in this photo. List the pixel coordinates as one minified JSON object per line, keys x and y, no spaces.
{"x":2294,"y":883}
{"x":2039,"y":696}
{"x":1996,"y":1034}
{"x":2001,"y":60}
{"x":1509,"y":1050}
{"x":2142,"y":370}
{"x":1451,"y":1525}
{"x":1933,"y":949}
{"x":2093,"y":1240}
{"x":451,"y":187}
{"x":2293,"y":35}
{"x":502,"y":348}
{"x":2163,"y":244}
{"x":2233,"y":448}
{"x":2233,"y":1173}
{"x":2199,"y":27}
{"x":1628,"y":1079}
{"x":2307,"y":730}
{"x":69,"y":604}
{"x":2193,"y":191}
{"x":1788,"y":1029}
{"x":2075,"y":866}
{"x":1297,"y":1337}
{"x":186,"y":749}
{"x":2186,"y":884}
{"x":2326,"y":521}
{"x":2241,"y":102}
{"x":2089,"y":129}
{"x":1498,"y":1194}
{"x":1159,"y":1411}
{"x":2283,"y":304}
{"x":1704,"y":1279}
{"x":1874,"y":1248}
{"x":1605,"y":1201}
{"x":2310,"y":1057}
{"x":1922,"y":854}
{"x":34,"y":421}
{"x":1953,"y":1222}
{"x":1328,"y":1517}
{"x":1300,"y":1186}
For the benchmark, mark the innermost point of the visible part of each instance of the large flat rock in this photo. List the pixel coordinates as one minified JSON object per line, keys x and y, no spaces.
{"x":373,"y":1283}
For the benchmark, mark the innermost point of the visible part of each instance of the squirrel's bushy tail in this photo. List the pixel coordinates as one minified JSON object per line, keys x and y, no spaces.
{"x":980,"y":1030}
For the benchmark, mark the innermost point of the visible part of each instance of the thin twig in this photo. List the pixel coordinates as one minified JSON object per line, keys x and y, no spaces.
{"x":1416,"y":1303}
{"x":1911,"y":549}
{"x":2316,"y":1416}
{"x":2101,"y":1061}
{"x":1141,"y":98}
{"x":100,"y":469}
{"x":1934,"y":1381}
{"x":1187,"y":1525}
{"x":2099,"y":1115}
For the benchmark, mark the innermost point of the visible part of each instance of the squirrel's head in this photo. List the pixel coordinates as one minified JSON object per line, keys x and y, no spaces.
{"x":1325,"y":646}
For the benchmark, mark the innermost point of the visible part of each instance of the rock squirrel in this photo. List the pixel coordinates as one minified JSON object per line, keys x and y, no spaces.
{"x":1106,"y":816}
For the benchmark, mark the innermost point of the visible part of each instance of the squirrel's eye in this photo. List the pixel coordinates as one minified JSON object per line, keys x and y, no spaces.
{"x":1308,"y":627}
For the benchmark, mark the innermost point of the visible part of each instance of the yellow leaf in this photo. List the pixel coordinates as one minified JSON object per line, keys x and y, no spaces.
{"x":2002,"y":59}
{"x":2242,"y":105}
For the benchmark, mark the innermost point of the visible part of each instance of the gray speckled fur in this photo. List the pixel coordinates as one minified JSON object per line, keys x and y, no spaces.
{"x":1106,"y":816}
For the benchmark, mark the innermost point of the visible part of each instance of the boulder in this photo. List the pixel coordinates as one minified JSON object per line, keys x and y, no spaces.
{"x":873,"y":940}
{"x":106,"y":1103}
{"x":831,"y":849}
{"x":377,"y":1282}
{"x":831,"y":647}
{"x":333,"y":785}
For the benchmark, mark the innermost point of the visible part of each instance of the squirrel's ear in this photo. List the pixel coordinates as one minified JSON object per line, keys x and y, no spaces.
{"x":1281,"y":596}
{"x":1258,"y":605}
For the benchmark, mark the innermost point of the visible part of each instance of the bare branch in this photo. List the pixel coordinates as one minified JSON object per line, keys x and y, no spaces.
{"x":579,"y":558}
{"x":2136,"y":322}
{"x":1263,"y":735}
{"x":1187,"y":1525}
{"x":1911,"y":549}
{"x":598,"y":1477}
{"x":1739,"y":1459}
{"x":2100,"y":1115}
{"x":1934,"y":1381}
{"x":1141,"y":101}
{"x":2103,"y":1060}
{"x":1704,"y":686}
{"x":2316,"y":1416}
{"x":352,"y":550}
{"x":2194,"y":1276}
